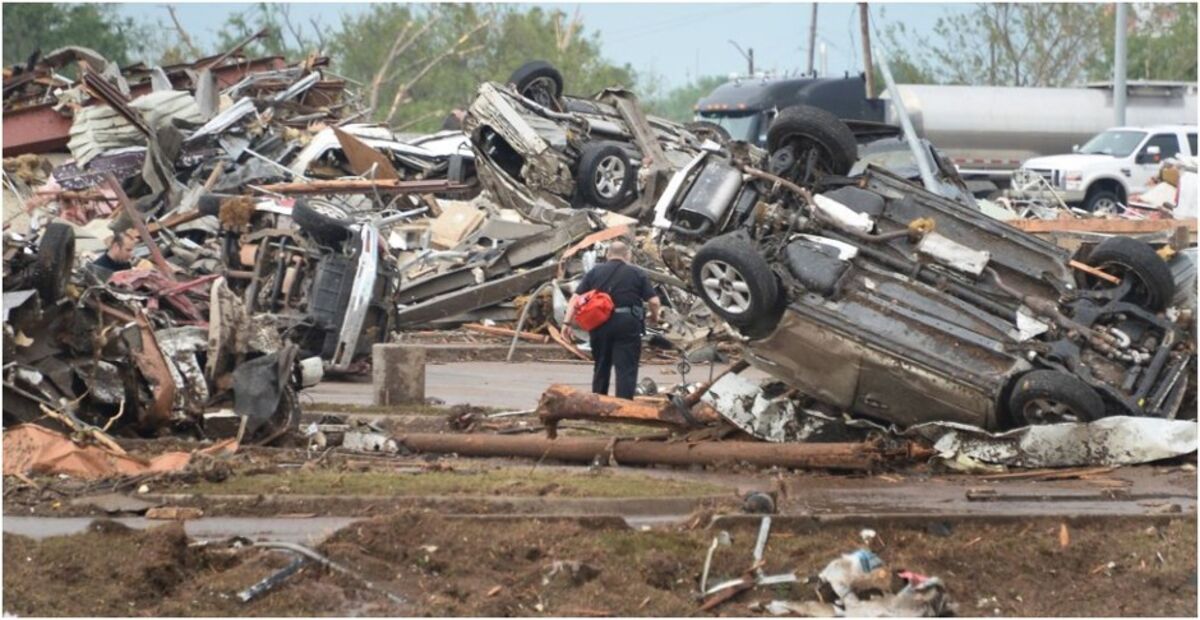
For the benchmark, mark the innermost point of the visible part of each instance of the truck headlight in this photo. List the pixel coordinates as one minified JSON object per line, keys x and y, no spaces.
{"x":1073,"y":180}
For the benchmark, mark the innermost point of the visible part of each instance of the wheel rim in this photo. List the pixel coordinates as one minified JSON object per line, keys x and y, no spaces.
{"x":1139,"y":293}
{"x":328,"y":210}
{"x":541,"y":91}
{"x":1104,"y":206}
{"x":1048,"y":411}
{"x":610,"y":177}
{"x":725,"y":287}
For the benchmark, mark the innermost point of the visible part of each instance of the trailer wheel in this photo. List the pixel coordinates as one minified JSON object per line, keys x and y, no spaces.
{"x":810,"y":132}
{"x":539,"y":81}
{"x":735,"y":281}
{"x":54,"y":262}
{"x":326,"y":223}
{"x":1052,"y":397}
{"x":1124,"y":257}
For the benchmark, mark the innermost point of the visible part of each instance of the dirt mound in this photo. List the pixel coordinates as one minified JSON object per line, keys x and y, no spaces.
{"x":108,"y":570}
{"x":488,"y":566}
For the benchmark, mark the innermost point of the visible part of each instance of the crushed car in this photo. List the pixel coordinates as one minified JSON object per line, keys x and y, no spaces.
{"x":541,"y":152}
{"x":320,"y":270}
{"x":890,"y":302}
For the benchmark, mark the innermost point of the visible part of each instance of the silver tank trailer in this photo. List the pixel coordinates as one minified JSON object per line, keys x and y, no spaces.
{"x":995,"y":128}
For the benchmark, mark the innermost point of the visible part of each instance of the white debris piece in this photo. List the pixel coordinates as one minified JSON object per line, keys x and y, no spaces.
{"x":1116,"y":440}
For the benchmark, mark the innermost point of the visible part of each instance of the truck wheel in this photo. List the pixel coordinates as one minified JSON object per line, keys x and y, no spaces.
{"x":539,"y":81}
{"x":805,"y":129}
{"x":1051,"y":397}
{"x":606,"y":176}
{"x":706,"y":130}
{"x":1102,"y":202}
{"x":325,"y":223}
{"x":54,"y":262}
{"x":1153,"y":286}
{"x":735,"y":281}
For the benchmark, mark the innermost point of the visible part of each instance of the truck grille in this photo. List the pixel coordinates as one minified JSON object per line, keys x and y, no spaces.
{"x":1053,"y":177}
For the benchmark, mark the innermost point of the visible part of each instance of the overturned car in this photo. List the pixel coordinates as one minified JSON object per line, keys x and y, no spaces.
{"x":539,"y":151}
{"x":890,"y":302}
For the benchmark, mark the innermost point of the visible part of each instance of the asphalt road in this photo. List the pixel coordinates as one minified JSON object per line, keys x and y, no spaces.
{"x":495,"y":384}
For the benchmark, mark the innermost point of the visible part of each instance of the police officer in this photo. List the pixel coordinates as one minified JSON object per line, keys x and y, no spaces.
{"x":618,"y":342}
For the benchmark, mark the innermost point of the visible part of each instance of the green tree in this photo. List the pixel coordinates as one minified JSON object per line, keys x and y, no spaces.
{"x":1160,"y":43}
{"x":418,"y":62}
{"x":679,"y":104}
{"x":47,"y":27}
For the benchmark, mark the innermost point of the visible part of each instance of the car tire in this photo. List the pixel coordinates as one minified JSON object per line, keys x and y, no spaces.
{"x":605,"y":177}
{"x":1052,"y":396}
{"x":1103,"y":200}
{"x":706,"y":130}
{"x":324,"y":222}
{"x":540,"y":82}
{"x":736,"y":282}
{"x":1125,"y":257}
{"x":804,"y":127}
{"x":54,"y":263}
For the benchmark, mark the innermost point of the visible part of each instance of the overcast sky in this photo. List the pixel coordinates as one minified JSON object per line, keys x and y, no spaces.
{"x":674,"y":41}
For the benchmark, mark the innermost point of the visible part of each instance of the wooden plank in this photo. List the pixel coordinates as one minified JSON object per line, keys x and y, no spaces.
{"x":1105,"y":226}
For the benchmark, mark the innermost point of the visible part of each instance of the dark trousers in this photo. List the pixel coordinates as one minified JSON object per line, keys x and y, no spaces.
{"x":617,"y":343}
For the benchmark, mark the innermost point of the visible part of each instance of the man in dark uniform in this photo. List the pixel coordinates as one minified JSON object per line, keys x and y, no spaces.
{"x":618,"y":342}
{"x":119,"y":255}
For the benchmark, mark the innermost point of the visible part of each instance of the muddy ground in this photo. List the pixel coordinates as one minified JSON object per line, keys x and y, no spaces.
{"x":474,"y":567}
{"x":501,"y":537}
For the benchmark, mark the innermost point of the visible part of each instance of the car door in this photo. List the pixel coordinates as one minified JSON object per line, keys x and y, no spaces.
{"x":1146,"y":163}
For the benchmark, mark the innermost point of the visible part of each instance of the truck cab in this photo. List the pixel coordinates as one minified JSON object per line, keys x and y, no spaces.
{"x":1113,"y":165}
{"x":745,"y":107}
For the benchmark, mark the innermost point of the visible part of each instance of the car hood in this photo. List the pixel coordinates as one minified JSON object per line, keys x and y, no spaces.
{"x":1064,"y":162}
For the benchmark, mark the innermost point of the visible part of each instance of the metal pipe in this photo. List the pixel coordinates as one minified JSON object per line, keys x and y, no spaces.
{"x":1119,"y":61}
{"x":843,"y":456}
{"x":512,"y":347}
{"x":910,"y":135}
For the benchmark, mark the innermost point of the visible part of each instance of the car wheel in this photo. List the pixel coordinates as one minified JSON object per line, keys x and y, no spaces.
{"x":809,"y":132}
{"x":1051,"y":397}
{"x":1153,"y":286}
{"x":606,"y":176}
{"x":327,"y":224}
{"x":54,"y":262}
{"x":736,"y":282}
{"x":706,"y":130}
{"x":540,"y":82}
{"x":1102,"y":202}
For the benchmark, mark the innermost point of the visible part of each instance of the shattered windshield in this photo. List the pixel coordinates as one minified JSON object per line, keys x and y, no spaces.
{"x":740,"y":127}
{"x":1115,"y":143}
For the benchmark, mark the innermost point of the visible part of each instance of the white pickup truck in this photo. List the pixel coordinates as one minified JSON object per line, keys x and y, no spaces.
{"x":1113,"y":165}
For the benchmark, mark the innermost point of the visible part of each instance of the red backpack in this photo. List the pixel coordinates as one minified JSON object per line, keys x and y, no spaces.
{"x":595,"y":307}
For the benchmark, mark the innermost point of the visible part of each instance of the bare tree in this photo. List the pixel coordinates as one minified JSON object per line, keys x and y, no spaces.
{"x":183,"y":34}
{"x":1009,"y":44}
{"x":564,"y":36}
{"x":456,"y":49}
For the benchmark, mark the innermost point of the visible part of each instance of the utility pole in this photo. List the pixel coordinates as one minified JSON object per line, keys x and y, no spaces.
{"x":748,"y":55}
{"x":868,"y":66}
{"x":1119,"y":65}
{"x":812,"y":38}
